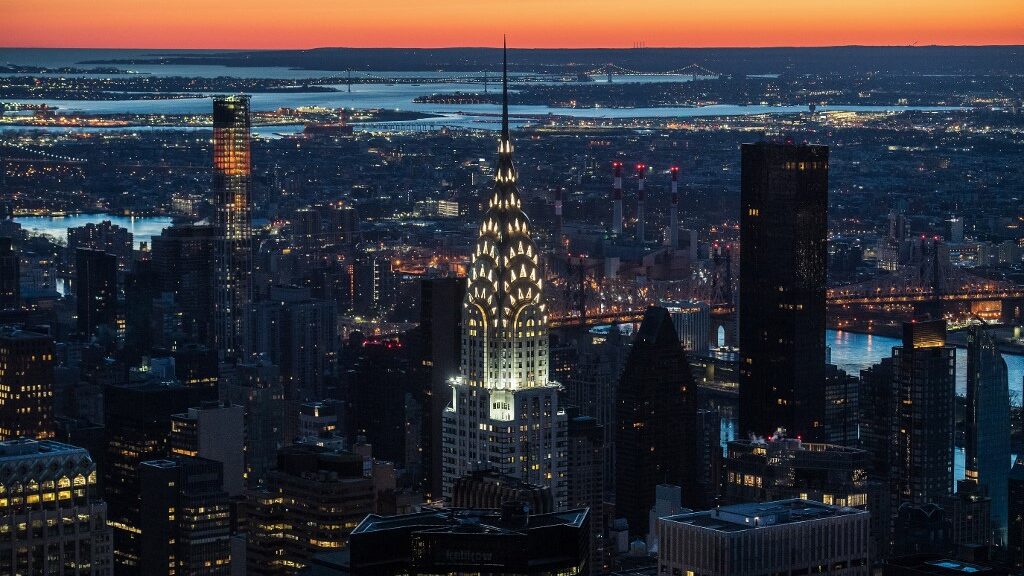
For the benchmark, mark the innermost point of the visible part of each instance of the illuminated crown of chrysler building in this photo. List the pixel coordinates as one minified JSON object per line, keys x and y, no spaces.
{"x":504,"y":413}
{"x":504,"y":315}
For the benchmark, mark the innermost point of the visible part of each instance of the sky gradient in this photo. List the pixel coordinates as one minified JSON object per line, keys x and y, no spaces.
{"x":528,"y":23}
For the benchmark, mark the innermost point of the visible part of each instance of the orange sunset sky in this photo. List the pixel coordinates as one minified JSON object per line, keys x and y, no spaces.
{"x":528,"y":23}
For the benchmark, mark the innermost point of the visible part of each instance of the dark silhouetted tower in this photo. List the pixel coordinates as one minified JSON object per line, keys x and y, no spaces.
{"x":441,"y":350}
{"x":784,"y":251}
{"x":655,"y":440}
{"x":95,"y":289}
{"x":1015,"y":540}
{"x":10,"y":275}
{"x":987,"y":422}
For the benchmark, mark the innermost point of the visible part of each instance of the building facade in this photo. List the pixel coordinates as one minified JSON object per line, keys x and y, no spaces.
{"x":54,"y":521}
{"x":95,"y":290}
{"x":656,"y":440}
{"x":233,"y":250}
{"x":505,"y":412}
{"x":987,"y":423}
{"x":26,"y":384}
{"x":309,"y":505}
{"x":467,"y":541}
{"x":783,"y":269}
{"x":782,"y":537}
{"x":924,"y":369}
{"x":186,"y":527}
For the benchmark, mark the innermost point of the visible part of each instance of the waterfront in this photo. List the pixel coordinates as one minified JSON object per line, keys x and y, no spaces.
{"x":143,"y":228}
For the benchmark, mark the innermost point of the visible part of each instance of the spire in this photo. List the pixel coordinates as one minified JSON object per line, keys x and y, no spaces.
{"x":504,"y":90}
{"x":506,"y":172}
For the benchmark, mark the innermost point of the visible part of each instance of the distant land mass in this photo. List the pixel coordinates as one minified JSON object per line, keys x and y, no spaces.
{"x":838,"y":60}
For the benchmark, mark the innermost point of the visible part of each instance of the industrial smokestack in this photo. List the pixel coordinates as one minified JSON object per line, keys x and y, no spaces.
{"x":617,"y":199}
{"x":672,"y":240}
{"x":641,"y":201}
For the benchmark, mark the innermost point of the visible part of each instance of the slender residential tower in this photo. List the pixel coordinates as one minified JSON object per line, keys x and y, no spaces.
{"x":504,"y":413}
{"x":672,"y":239}
{"x":233,"y":267}
{"x":641,"y":202}
{"x":617,"y":199}
{"x":987,"y":423}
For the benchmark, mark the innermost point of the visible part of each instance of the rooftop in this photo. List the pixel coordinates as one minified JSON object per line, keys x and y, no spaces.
{"x":467,"y":519}
{"x":29,"y":448}
{"x":754,"y":515}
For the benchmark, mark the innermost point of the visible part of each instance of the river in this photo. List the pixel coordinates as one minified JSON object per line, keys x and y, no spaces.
{"x":388,"y":96}
{"x":142,"y":228}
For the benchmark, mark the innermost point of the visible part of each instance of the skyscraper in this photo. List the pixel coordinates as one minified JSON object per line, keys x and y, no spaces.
{"x":138,"y":423}
{"x":440,"y":349}
{"x":10,"y":275}
{"x":586,"y":481}
{"x":593,"y":382}
{"x":309,"y":506}
{"x":656,"y":438}
{"x":233,"y":253}
{"x":95,"y":289}
{"x":784,"y":251}
{"x":54,"y":521}
{"x":186,"y":525}
{"x":1015,"y":507}
{"x":505,"y":412}
{"x":213,"y":431}
{"x":26,"y":384}
{"x":299,"y":334}
{"x":925,"y":390}
{"x":106,"y":237}
{"x":257,"y":389}
{"x":987,"y":423}
{"x":183,"y":261}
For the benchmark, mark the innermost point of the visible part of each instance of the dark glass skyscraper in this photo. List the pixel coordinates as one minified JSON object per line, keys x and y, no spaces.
{"x":654,"y":443}
{"x":1015,"y":507}
{"x":95,"y":289}
{"x":925,"y":381}
{"x":183,"y":260}
{"x":233,"y":253}
{"x":440,"y":349}
{"x":784,"y":252}
{"x":10,"y":275}
{"x":186,"y":525}
{"x":987,"y":422}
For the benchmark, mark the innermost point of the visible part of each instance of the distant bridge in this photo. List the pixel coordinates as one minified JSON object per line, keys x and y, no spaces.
{"x":693,"y":70}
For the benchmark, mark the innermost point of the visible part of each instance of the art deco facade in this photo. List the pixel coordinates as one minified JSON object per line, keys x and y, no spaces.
{"x":505,"y":412}
{"x":52,"y":521}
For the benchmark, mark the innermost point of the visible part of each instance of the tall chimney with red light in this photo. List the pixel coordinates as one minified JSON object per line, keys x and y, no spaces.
{"x":641,"y":201}
{"x":672,"y":239}
{"x":617,"y":199}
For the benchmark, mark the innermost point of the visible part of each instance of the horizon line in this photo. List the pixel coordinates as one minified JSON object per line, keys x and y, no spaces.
{"x":427,"y":47}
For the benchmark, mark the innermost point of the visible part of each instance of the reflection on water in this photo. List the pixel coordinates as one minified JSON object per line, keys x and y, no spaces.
{"x":854,"y":352}
{"x":142,"y":228}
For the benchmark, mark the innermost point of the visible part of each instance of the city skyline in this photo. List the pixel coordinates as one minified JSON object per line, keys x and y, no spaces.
{"x":533,"y":24}
{"x":701,"y":312}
